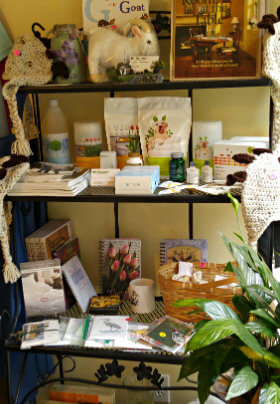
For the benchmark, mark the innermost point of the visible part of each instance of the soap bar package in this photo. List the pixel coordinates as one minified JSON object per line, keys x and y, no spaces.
{"x":103,"y":178}
{"x":137,"y":180}
{"x":223,"y":152}
{"x":164,"y":125}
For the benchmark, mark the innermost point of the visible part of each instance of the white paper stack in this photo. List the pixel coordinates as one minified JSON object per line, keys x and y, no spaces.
{"x":40,"y":182}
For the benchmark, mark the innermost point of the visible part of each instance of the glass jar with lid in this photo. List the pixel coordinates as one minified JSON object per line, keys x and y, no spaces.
{"x":177,"y":167}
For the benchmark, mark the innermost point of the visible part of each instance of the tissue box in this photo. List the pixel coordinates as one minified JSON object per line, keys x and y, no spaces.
{"x":223,"y":152}
{"x":137,"y":180}
{"x":103,"y":177}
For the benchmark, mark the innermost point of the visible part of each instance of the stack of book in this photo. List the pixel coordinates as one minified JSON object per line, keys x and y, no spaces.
{"x":42,"y":182}
{"x":42,"y":244}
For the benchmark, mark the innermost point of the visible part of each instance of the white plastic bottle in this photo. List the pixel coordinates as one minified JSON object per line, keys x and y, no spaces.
{"x":206,"y":173}
{"x":55,"y":135}
{"x":193,"y":174}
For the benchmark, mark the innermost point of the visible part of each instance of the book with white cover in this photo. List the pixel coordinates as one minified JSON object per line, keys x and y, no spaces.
{"x":43,"y":290}
{"x":78,"y":282}
{"x":40,"y":333}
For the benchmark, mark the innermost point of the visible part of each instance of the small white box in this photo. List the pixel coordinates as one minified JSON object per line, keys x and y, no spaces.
{"x":140,"y":180}
{"x":108,"y":159}
{"x":223,"y":152}
{"x":103,"y":177}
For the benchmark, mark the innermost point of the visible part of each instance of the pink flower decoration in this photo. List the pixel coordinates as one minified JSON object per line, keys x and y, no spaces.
{"x":124,"y":250}
{"x":202,"y":265}
{"x":112,"y":252}
{"x":86,"y":139}
{"x":115,"y":266}
{"x":122,"y":276}
{"x":131,"y":127}
{"x":133,"y":275}
{"x":91,"y":139}
{"x":17,"y":52}
{"x":137,"y":128}
{"x":113,"y":26}
{"x":134,"y":263}
{"x":127,"y":259}
{"x":127,"y":319}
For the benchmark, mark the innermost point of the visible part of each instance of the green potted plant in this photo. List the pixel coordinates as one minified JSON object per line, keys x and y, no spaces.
{"x":134,"y":158}
{"x":245,"y":341}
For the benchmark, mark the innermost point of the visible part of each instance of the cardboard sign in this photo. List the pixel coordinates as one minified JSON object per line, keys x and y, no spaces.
{"x":120,"y":10}
{"x":141,"y":63}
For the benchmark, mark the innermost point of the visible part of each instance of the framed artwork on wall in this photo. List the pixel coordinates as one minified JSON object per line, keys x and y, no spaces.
{"x":217,"y":40}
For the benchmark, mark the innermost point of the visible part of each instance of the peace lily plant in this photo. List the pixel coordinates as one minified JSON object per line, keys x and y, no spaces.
{"x":246,"y":340}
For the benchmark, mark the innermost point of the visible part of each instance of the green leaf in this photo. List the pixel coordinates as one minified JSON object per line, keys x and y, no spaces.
{"x":238,"y":236}
{"x":245,"y":380}
{"x":263,"y":314}
{"x":215,"y":309}
{"x":261,"y":327}
{"x":163,"y":118}
{"x":195,"y":359}
{"x":273,"y":394}
{"x":268,"y":357}
{"x":155,"y":119}
{"x":216,"y":330}
{"x":234,"y":202}
{"x":206,"y":378}
{"x":234,"y":359}
{"x":229,"y":267}
{"x":243,"y":306}
{"x":263,"y":394}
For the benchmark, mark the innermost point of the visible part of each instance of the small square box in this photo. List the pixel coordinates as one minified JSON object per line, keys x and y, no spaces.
{"x":141,"y":180}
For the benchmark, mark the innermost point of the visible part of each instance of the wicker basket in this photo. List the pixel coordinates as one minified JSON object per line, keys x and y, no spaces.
{"x":216,"y":290}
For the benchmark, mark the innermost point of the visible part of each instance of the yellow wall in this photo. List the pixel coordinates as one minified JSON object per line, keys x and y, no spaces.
{"x":243,"y":112}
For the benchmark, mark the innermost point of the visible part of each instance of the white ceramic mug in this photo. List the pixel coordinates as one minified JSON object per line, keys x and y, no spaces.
{"x":141,"y":295}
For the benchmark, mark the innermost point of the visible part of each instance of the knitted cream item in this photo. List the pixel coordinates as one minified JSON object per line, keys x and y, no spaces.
{"x":271,"y":69}
{"x":27,"y":64}
{"x":261,"y":195}
{"x":10,"y":271}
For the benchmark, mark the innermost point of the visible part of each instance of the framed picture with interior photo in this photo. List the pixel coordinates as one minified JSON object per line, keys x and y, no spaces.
{"x":216,"y":40}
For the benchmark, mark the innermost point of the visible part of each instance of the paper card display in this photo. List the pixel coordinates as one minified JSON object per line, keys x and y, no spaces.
{"x":78,"y":282}
{"x":40,"y":333}
{"x":168,"y":333}
{"x":108,"y":10}
{"x":107,"y":327}
{"x":172,"y":250}
{"x":141,"y":63}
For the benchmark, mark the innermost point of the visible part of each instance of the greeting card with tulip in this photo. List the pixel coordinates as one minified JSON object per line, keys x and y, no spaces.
{"x":120,"y":262}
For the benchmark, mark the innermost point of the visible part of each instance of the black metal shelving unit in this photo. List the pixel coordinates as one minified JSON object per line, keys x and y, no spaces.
{"x":107,"y":195}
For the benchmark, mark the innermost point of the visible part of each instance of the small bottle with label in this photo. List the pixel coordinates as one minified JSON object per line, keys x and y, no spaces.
{"x":206,"y":172}
{"x":193,"y":174}
{"x":177,"y":167}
